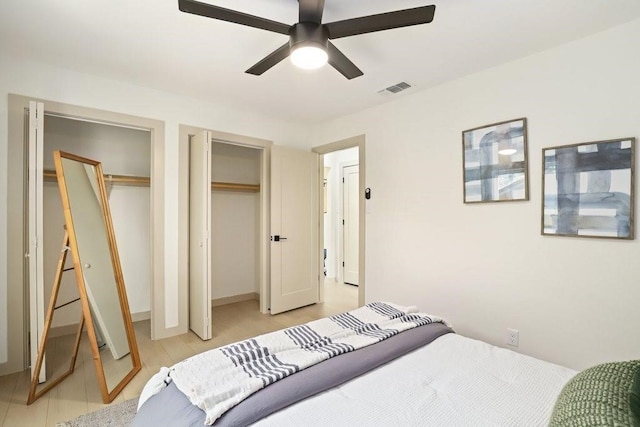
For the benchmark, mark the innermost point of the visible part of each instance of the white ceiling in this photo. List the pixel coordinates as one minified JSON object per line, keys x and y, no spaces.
{"x":151,"y":43}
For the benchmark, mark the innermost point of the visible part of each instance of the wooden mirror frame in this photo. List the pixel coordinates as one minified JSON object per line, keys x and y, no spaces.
{"x":87,"y":319}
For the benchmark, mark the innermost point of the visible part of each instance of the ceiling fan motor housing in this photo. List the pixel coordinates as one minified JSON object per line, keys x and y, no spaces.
{"x":308,"y":34}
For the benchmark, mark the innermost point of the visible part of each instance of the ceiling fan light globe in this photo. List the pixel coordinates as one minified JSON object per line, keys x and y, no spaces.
{"x":309,"y":57}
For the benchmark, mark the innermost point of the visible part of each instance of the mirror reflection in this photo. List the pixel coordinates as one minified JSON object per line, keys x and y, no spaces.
{"x":103,"y":304}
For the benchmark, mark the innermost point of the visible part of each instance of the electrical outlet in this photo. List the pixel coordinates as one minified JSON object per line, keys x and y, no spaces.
{"x":513,"y":337}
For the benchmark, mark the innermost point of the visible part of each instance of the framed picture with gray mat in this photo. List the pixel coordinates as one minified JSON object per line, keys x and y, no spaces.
{"x":588,"y":189}
{"x":495,"y":162}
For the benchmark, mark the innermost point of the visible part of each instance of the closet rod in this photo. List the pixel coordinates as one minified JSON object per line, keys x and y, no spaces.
{"x":230,"y":186}
{"x":50,"y":175}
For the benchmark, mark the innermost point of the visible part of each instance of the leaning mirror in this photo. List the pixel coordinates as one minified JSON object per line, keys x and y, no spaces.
{"x":106,"y":318}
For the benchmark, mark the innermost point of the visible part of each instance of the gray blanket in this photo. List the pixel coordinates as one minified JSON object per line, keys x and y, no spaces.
{"x":171,"y":407}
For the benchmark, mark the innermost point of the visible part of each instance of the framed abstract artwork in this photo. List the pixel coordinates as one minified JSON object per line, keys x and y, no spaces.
{"x":588,"y":189}
{"x":495,"y":162}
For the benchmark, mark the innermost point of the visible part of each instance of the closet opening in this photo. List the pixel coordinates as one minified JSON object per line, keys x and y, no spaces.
{"x":125,"y":154}
{"x":225,"y":180}
{"x":235,"y":223}
{"x":131,"y":151}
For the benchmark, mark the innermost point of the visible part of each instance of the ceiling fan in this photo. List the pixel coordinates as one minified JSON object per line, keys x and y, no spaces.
{"x":309,"y":44}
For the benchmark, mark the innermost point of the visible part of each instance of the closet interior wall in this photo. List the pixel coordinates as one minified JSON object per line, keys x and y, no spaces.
{"x":122,"y":151}
{"x":235,"y":221}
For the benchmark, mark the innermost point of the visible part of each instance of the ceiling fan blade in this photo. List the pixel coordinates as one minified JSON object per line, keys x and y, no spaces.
{"x":311,"y":10}
{"x":342,"y":63}
{"x":215,"y":12}
{"x":380,"y":22}
{"x":270,"y":60}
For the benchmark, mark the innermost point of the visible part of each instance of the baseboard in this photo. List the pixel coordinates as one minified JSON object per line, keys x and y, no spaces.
{"x":59,"y":331}
{"x":235,"y":298}
{"x":143,"y":315}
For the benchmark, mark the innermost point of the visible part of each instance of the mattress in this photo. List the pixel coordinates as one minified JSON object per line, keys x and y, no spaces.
{"x":453,"y":381}
{"x":162,"y":400}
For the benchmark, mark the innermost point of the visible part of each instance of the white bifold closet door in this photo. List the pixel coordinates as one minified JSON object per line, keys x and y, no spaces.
{"x":34,"y":250}
{"x":200,"y":235}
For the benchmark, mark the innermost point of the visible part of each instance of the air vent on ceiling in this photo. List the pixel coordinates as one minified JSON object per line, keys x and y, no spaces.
{"x":398,"y":87}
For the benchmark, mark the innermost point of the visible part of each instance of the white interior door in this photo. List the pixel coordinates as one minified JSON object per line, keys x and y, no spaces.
{"x":34,"y":254}
{"x":199,"y":235}
{"x":294,"y":229}
{"x":350,"y":217}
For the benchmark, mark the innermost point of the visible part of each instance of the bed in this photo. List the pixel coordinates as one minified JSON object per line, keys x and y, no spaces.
{"x":421,"y":374}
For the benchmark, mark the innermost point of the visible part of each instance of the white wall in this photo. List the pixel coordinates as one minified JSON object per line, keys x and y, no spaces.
{"x":485,"y":267}
{"x":30,"y":78}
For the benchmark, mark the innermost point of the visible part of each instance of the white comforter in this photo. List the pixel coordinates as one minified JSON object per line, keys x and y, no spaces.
{"x":218,"y":379}
{"x":454,"y":381}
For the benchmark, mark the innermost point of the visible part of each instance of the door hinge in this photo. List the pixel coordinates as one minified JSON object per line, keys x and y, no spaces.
{"x":343,"y":263}
{"x":343,"y":222}
{"x":343,"y":179}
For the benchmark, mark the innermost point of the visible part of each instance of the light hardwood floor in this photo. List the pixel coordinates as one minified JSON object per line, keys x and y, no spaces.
{"x":80,"y":394}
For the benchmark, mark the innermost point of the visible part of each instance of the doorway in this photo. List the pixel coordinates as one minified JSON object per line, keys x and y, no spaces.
{"x":343,"y":227}
{"x":341,"y":216}
{"x":124,"y":153}
{"x":235,"y":222}
{"x":225,"y":211}
{"x":227,"y":179}
{"x":287,"y":221}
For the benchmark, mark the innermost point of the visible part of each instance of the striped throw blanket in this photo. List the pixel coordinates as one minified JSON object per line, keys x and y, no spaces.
{"x":219,"y":379}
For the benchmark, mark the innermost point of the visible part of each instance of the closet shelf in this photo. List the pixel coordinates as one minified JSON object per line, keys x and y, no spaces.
{"x":230,"y":186}
{"x":50,"y":175}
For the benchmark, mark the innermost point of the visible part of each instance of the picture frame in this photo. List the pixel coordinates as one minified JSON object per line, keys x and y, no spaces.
{"x":495,"y":162}
{"x":588,"y":189}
